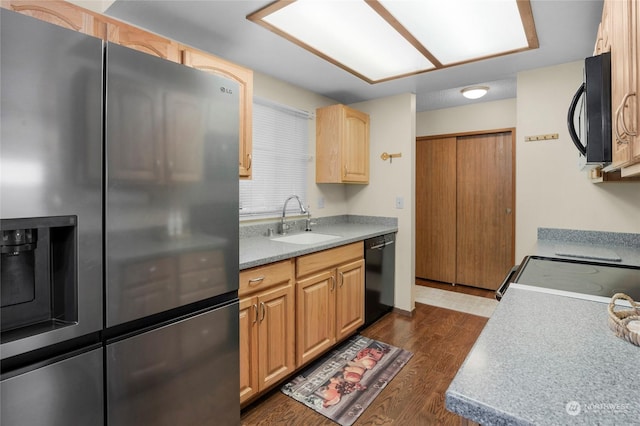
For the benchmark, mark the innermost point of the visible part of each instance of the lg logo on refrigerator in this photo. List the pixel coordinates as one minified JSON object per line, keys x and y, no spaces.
{"x":225,"y":90}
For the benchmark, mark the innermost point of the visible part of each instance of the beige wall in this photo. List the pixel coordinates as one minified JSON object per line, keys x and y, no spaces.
{"x":266,"y":87}
{"x":551,"y":191}
{"x":480,"y":116}
{"x":392,"y":131}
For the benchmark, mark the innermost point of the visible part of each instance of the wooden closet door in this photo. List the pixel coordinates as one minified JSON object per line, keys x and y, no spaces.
{"x":436,"y":209}
{"x":485,"y":203}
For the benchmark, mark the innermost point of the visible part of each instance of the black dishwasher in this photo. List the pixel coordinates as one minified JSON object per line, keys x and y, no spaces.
{"x":380,"y":264}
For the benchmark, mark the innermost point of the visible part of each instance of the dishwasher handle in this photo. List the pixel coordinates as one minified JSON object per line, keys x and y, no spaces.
{"x":379,"y":246}
{"x":378,"y":243}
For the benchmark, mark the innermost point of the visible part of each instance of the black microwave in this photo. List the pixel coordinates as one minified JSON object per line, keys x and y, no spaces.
{"x":590,"y":129}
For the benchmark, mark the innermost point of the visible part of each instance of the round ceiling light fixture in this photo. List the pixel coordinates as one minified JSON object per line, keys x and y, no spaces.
{"x":474,"y":92}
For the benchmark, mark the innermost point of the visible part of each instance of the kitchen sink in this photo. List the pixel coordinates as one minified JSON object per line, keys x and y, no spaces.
{"x":305,"y":238}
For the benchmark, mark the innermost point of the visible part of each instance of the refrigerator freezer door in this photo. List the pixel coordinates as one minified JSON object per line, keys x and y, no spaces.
{"x":184,"y":373}
{"x":51,"y":151}
{"x":172,"y":185}
{"x":68,"y":392}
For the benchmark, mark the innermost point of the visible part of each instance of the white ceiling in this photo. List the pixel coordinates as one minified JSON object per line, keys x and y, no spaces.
{"x":566,"y":32}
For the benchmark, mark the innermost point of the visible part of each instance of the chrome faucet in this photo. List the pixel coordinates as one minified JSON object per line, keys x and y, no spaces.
{"x":308,"y":221}
{"x":284,"y":227}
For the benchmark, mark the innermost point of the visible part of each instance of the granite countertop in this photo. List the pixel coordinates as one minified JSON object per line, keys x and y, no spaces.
{"x":256,"y":250}
{"x":591,"y":246}
{"x":547,"y":359}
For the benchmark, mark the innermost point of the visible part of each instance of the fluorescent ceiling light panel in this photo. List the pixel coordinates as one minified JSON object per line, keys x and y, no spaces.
{"x":457,"y":31}
{"x":350,"y":34}
{"x":379,"y":40}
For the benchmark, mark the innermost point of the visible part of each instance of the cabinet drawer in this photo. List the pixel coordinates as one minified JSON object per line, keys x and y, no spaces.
{"x":262,"y":277}
{"x":199,"y":260}
{"x":322,"y":260}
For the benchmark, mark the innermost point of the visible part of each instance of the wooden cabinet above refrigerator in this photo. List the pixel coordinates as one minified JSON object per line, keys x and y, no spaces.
{"x":85,"y":21}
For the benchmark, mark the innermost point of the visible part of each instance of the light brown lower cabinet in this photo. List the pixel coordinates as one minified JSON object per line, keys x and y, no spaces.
{"x":267,"y":327}
{"x":285,"y":325}
{"x":329,"y":299}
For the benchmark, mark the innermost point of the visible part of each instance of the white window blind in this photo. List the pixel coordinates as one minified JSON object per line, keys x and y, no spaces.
{"x":279,"y":160}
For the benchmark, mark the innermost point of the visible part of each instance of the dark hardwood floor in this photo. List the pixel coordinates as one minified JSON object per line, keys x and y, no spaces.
{"x":439,"y":339}
{"x":458,"y":288}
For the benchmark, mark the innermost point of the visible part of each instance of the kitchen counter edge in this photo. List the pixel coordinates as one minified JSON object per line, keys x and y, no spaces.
{"x":532,"y":380}
{"x":258,"y":251}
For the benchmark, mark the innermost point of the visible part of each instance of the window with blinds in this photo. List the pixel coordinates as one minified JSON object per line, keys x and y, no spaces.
{"x":279,"y":160}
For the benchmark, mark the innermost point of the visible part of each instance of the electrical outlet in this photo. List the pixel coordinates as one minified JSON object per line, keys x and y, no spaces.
{"x":321,"y":202}
{"x":399,"y":202}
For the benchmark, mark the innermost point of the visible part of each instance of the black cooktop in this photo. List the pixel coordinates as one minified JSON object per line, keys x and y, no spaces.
{"x":593,"y":278}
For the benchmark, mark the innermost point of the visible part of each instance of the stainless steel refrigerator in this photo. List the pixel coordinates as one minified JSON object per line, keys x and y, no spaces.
{"x":51,"y":307}
{"x":171,"y":145}
{"x":119,"y":234}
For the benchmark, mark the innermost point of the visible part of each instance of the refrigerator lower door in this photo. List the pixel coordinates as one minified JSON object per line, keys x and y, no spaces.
{"x":67,"y":392}
{"x":184,"y":373}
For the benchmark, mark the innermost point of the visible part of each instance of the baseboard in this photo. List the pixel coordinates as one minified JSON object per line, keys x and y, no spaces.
{"x":403,"y":312}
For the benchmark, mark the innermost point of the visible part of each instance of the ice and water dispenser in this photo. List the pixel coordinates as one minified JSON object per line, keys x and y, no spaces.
{"x":38,"y":269}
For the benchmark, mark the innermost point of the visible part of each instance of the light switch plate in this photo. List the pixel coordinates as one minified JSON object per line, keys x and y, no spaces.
{"x":399,"y":202}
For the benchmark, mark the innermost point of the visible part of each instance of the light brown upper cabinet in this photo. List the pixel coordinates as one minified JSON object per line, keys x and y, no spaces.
{"x":342,"y":145}
{"x":603,"y":39}
{"x":59,"y":13}
{"x":621,"y":17}
{"x":464,"y":208}
{"x":244,"y":77}
{"x":143,"y":41}
{"x":78,"y":19}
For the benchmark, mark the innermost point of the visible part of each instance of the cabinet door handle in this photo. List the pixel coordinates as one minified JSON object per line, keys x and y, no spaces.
{"x":341,"y":279}
{"x":345,"y":171}
{"x":264,"y":311}
{"x":333,"y":283}
{"x":255,"y":309}
{"x":249,"y":159}
{"x":619,"y":119}
{"x":622,"y":122}
{"x":619,"y":139}
{"x":257,"y":280}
